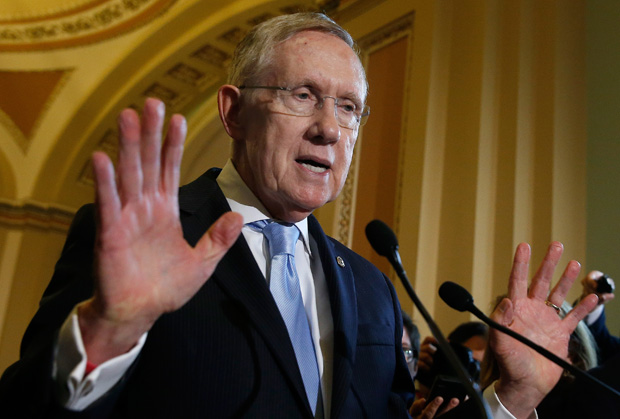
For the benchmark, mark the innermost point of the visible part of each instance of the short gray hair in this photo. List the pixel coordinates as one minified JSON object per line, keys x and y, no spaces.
{"x":254,"y":52}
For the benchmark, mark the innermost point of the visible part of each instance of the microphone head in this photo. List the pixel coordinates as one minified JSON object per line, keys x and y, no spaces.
{"x":381,"y":238}
{"x":456,"y":296}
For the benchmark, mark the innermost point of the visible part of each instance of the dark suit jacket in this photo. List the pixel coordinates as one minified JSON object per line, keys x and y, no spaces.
{"x":226,"y":353}
{"x":608,"y":345}
{"x":581,"y":399}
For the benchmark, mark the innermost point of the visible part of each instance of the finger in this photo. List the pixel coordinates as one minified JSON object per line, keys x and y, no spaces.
{"x":129,"y":166}
{"x":542,"y":279}
{"x":425,"y":362}
{"x":107,"y":199}
{"x":580,"y":311}
{"x":172,"y":154}
{"x":428,"y":348}
{"x":429,"y":340}
{"x":150,"y":144}
{"x":417,"y":407}
{"x":218,"y":239}
{"x":517,"y":283}
{"x":451,"y":405}
{"x":558,"y":294}
{"x":431,"y":409}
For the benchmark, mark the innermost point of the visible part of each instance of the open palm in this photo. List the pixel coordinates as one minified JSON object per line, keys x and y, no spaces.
{"x":144,"y":266}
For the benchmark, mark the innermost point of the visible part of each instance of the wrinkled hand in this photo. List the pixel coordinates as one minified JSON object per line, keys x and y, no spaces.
{"x":589,"y":287}
{"x":144,"y":266}
{"x":420,"y":410}
{"x":427,"y":352}
{"x":525,"y":376}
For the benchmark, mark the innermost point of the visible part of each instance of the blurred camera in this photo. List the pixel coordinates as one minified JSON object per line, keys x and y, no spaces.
{"x":604,"y":285}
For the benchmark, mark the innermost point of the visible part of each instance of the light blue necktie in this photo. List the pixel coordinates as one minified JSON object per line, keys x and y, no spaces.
{"x":284,"y":286}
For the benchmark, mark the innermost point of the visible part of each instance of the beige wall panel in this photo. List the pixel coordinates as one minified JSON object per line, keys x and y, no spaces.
{"x":459,"y":188}
{"x":436,"y":42}
{"x":34,"y":252}
{"x":379,"y":154}
{"x":507,"y":96}
{"x":569,"y":198}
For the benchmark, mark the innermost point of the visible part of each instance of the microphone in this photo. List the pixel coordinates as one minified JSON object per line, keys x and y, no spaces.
{"x":384,"y":242}
{"x":460,"y":299}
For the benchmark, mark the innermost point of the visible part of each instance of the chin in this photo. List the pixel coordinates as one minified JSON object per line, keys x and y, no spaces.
{"x":311,"y":203}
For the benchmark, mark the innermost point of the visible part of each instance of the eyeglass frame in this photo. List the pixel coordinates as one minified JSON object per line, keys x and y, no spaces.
{"x":361,"y":118}
{"x":411,"y":355}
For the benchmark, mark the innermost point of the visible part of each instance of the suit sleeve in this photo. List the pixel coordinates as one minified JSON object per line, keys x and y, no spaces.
{"x":27,"y":387}
{"x":608,"y":345}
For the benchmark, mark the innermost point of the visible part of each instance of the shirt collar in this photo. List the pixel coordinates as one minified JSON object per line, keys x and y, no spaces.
{"x":242,"y":200}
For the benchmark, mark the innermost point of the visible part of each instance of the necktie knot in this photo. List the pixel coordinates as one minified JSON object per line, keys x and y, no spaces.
{"x":281,"y":237}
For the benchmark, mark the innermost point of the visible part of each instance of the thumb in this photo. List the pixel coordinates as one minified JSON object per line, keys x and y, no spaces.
{"x":220,"y":237}
{"x":503,"y":313}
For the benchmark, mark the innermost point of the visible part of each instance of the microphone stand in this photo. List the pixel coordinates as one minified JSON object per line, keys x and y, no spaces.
{"x":393,"y":257}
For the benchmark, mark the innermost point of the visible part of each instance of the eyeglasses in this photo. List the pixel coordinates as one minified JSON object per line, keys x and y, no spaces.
{"x":410,"y":355}
{"x":303,"y":101}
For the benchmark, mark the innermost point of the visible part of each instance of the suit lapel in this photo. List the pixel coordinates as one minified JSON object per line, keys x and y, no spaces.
{"x":341,"y":286}
{"x":239,"y":276}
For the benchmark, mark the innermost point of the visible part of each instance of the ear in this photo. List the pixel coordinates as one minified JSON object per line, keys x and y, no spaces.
{"x":228,"y":104}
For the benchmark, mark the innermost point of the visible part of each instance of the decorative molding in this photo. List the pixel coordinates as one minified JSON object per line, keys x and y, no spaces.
{"x":16,"y":134}
{"x":352,"y":9}
{"x":101,"y":21}
{"x":212,"y":55}
{"x":388,"y":34}
{"x":260,"y":19}
{"x":233,"y":36}
{"x":186,"y":74}
{"x":22,"y":140}
{"x":346,"y":203}
{"x":35,"y":214}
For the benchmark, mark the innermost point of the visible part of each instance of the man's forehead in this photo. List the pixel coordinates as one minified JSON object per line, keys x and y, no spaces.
{"x":318,"y":59}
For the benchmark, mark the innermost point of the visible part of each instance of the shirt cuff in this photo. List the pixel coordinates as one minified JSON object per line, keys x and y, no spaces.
{"x":594,"y":315}
{"x":496,"y":407}
{"x":73,"y":390}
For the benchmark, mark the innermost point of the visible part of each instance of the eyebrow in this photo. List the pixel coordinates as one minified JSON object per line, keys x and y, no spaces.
{"x":314,"y":85}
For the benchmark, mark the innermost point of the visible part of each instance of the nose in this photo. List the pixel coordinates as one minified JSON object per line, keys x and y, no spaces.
{"x":326,"y":127}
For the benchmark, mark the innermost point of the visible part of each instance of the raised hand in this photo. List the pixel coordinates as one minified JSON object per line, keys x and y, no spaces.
{"x":144,"y":266}
{"x":525,"y":376}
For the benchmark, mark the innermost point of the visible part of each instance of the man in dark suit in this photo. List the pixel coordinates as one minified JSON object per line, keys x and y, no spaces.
{"x":608,"y":344}
{"x":134,"y":328}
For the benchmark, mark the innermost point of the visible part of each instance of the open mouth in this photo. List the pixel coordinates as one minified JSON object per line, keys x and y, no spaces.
{"x":313,"y":166}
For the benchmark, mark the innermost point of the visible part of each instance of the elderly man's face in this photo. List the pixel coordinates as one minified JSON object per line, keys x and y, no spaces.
{"x":295,"y":164}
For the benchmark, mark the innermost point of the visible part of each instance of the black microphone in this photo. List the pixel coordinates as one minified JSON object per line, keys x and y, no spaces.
{"x":460,"y":299}
{"x":384,"y":242}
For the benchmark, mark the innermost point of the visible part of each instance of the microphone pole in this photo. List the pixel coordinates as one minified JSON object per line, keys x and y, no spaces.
{"x":384,"y":242}
{"x":460,"y":299}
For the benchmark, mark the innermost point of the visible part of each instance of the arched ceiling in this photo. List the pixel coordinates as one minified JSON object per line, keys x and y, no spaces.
{"x":67,"y":67}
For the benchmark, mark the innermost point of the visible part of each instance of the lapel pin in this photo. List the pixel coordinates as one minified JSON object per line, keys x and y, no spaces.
{"x":340,"y":261}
